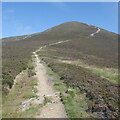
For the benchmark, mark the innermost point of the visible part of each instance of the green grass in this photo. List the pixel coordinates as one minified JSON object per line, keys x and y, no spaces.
{"x":47,"y":100}
{"x":103,"y":45}
{"x":76,"y":106}
{"x":24,"y":89}
{"x":75,"y":102}
{"x":31,"y":68}
{"x":95,"y":87}
{"x":29,"y":113}
{"x":33,"y":82}
{"x":110,"y":74}
{"x":30,"y":95}
{"x":35,"y":90}
{"x":58,"y":84}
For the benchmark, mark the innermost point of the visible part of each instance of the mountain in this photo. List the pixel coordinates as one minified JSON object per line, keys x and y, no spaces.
{"x":68,"y":30}
{"x":84,"y":56}
{"x":93,"y":45}
{"x":103,"y":45}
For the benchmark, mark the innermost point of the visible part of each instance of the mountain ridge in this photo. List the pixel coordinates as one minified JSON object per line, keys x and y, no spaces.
{"x":84,"y":37}
{"x":85,"y":57}
{"x":70,"y":22}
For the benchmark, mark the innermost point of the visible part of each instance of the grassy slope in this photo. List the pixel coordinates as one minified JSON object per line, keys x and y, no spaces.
{"x":22,"y":91}
{"x":75,"y":102}
{"x":92,"y":79}
{"x":99,"y":51}
{"x":107,"y":73}
{"x":62,"y":55}
{"x":102,"y":94}
{"x":15,"y":59}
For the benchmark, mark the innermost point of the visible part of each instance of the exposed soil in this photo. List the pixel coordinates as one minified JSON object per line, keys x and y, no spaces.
{"x":52,"y":110}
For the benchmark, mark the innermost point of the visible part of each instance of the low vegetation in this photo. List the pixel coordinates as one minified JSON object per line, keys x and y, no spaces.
{"x":75,"y":102}
{"x":14,"y":61}
{"x":95,"y":78}
{"x":24,"y":89}
{"x":110,"y":74}
{"x":102,"y":94}
{"x":100,"y":50}
{"x":16,"y":57}
{"x":76,"y":105}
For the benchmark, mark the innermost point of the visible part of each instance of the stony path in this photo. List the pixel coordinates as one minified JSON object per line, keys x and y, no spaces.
{"x":54,"y":109}
{"x":98,"y":30}
{"x":43,"y":85}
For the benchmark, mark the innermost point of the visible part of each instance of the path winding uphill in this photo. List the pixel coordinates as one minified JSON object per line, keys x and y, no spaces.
{"x":98,"y":30}
{"x":51,"y":44}
{"x":43,"y":86}
{"x":45,"y":89}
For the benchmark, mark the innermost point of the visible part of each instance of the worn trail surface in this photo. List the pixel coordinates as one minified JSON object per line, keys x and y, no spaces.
{"x":98,"y":30}
{"x":53,"y":110}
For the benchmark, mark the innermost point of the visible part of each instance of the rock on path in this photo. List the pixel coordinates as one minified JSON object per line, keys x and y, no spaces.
{"x":45,"y":89}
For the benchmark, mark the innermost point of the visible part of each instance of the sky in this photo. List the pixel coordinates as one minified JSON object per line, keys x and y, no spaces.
{"x":20,"y":18}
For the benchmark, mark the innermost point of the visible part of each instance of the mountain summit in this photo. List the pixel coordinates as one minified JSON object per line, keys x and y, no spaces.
{"x":72,"y":29}
{"x":84,"y":58}
{"x":90,"y":40}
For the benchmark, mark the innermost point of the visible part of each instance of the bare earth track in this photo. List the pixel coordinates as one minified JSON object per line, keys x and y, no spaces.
{"x":84,"y":66}
{"x":53,"y":110}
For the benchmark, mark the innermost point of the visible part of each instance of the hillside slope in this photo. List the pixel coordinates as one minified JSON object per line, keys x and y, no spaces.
{"x":88,"y":60}
{"x":100,"y":49}
{"x":103,"y":45}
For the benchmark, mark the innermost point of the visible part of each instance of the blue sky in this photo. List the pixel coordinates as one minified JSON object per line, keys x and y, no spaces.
{"x":31,"y":17}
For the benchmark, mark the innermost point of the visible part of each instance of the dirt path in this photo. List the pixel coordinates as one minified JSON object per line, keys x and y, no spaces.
{"x":55,"y":109}
{"x":43,"y":85}
{"x":98,"y":30}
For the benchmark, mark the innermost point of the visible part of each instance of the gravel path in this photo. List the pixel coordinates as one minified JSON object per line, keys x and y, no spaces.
{"x":98,"y":30}
{"x":54,"y":109}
